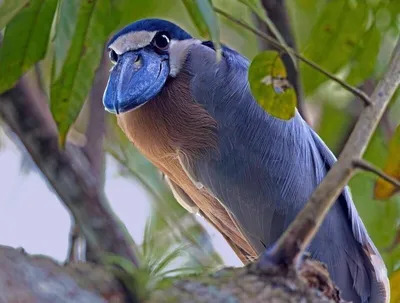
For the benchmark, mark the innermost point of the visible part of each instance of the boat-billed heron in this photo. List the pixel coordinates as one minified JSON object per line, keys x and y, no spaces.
{"x":225,"y":158}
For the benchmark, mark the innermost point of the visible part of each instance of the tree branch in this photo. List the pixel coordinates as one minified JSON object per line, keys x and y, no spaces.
{"x":277,"y":13}
{"x":95,"y":130}
{"x":27,"y":278}
{"x":67,"y":171}
{"x":93,"y":146}
{"x":365,"y":165}
{"x":299,"y":234}
{"x":363,"y":96}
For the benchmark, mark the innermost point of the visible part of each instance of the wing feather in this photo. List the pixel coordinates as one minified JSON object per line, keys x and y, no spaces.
{"x":266,"y":169}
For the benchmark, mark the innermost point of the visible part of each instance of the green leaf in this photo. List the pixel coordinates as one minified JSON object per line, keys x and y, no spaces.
{"x":384,"y":189}
{"x":8,"y":9}
{"x":211,"y":21}
{"x":196,"y":17}
{"x":270,"y":87}
{"x":82,"y":31}
{"x":25,"y":41}
{"x":362,"y":61}
{"x":335,"y":38}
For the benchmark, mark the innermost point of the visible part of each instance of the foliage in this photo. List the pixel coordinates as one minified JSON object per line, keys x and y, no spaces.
{"x":394,"y":289}
{"x":383,"y":189}
{"x":156,"y":256}
{"x":269,"y":84}
{"x":204,"y":16}
{"x":32,"y":27}
{"x":80,"y":36}
{"x":64,"y":39}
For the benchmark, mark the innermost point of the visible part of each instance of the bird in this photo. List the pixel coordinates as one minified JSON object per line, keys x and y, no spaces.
{"x":225,"y":158}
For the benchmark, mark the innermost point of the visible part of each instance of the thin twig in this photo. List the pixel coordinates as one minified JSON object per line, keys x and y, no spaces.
{"x":365,"y":165}
{"x":68,"y":172}
{"x":363,"y":96}
{"x":299,"y":234}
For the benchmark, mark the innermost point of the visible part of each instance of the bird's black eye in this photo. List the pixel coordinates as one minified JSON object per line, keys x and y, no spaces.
{"x":161,"y":41}
{"x":113,"y":56}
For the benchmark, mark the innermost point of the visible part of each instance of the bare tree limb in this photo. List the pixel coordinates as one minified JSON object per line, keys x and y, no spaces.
{"x":365,"y":165}
{"x":95,"y":130}
{"x":25,"y":278}
{"x":68,"y":172}
{"x":363,"y":96}
{"x":299,"y":234}
{"x":93,"y":147}
{"x":277,"y":13}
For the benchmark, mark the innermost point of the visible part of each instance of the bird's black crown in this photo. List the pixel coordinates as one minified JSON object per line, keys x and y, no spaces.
{"x":150,"y":25}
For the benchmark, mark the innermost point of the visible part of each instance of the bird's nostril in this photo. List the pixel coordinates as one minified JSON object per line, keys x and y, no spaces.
{"x":137,"y":62}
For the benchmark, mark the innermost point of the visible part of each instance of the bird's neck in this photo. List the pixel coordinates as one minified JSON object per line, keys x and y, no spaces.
{"x":170,"y":123}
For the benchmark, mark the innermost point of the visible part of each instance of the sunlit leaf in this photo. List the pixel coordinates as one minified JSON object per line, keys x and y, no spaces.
{"x":394,"y":287}
{"x":82,"y":31}
{"x":8,"y":9}
{"x":196,"y":17}
{"x":25,"y":41}
{"x":211,"y":21}
{"x":270,"y":87}
{"x":384,"y":189}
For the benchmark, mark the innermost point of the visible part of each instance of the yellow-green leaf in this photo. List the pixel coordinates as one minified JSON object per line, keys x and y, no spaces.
{"x":270,"y":87}
{"x":384,"y":189}
{"x":394,"y":287}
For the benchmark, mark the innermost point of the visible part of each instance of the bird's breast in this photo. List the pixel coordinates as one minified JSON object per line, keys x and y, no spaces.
{"x":173,"y":124}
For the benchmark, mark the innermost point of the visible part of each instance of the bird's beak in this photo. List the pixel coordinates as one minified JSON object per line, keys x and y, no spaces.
{"x":137,"y":77}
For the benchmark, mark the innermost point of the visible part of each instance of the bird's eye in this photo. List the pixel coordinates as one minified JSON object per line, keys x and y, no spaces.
{"x":113,"y":56}
{"x":161,"y":41}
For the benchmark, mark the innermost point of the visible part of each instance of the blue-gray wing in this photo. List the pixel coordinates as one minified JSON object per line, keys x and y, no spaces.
{"x":265,"y":169}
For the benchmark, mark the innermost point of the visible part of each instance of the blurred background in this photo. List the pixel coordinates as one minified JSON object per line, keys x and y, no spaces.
{"x":352,"y":39}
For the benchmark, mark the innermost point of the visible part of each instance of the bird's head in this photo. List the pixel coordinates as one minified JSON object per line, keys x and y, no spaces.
{"x":144,"y":55}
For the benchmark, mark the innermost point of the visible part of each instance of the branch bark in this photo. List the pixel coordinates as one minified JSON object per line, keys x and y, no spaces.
{"x":86,"y":282}
{"x":67,"y":171}
{"x":94,"y":113}
{"x":96,"y":128}
{"x":299,"y":234}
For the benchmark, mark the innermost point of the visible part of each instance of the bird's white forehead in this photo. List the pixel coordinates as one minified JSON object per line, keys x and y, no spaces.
{"x":132,"y":41}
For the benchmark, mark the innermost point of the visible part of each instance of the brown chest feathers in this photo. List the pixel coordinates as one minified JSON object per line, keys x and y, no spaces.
{"x":172,"y":125}
{"x":171,"y":122}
